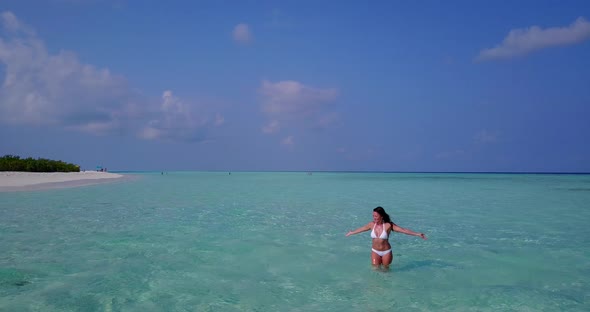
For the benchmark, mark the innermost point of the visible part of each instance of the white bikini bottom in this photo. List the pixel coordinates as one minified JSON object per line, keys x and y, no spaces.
{"x":381,"y":253}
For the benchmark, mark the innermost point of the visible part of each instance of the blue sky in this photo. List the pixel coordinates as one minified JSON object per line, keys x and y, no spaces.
{"x":298,"y":85}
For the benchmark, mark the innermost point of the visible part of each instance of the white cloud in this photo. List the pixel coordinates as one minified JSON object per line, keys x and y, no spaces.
{"x":40,"y":88}
{"x":174,"y":120}
{"x":271,"y":127}
{"x":292,"y":97}
{"x":242,"y":33}
{"x":12,"y":24}
{"x":524,"y":41}
{"x":293,"y":104}
{"x":288,"y":141}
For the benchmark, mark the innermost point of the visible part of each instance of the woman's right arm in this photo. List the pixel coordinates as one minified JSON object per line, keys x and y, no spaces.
{"x":361,"y":229}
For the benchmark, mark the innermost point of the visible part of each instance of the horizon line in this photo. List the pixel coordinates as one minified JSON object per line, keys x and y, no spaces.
{"x":364,"y":171}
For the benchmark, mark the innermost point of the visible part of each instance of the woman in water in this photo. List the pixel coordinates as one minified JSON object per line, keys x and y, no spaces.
{"x":382,"y":227}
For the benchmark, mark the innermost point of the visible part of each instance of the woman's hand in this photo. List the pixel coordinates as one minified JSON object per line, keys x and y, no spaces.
{"x":361,"y":229}
{"x":423,"y":236}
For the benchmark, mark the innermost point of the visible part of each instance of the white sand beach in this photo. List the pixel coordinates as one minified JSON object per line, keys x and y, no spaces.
{"x":15,"y":181}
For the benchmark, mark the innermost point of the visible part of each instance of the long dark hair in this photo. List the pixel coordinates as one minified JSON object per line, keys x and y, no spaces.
{"x":383,"y":215}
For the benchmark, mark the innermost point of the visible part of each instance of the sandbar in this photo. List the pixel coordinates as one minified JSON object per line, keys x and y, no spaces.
{"x":27,"y":181}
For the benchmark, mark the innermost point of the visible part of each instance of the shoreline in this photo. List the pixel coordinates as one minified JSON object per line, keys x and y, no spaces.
{"x":14,"y":181}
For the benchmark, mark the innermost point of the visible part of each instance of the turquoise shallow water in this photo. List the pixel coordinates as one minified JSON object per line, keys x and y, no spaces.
{"x":209,"y":241}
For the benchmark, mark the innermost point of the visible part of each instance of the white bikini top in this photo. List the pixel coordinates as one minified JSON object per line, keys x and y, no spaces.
{"x":383,"y":235}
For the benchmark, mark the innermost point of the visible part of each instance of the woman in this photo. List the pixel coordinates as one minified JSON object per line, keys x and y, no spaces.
{"x":382,"y":226}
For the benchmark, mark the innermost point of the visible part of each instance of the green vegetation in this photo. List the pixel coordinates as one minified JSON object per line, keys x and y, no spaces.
{"x":15,"y":163}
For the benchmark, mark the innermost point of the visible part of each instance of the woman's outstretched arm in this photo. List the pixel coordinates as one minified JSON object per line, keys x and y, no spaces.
{"x":407,"y":231}
{"x":361,"y":229}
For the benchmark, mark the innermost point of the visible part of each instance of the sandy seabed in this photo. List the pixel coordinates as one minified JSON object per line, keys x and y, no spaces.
{"x":23,"y":181}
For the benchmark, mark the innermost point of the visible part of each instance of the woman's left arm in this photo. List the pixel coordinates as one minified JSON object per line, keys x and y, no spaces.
{"x":407,"y":231}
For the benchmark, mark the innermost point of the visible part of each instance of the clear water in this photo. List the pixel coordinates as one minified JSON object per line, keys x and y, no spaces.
{"x":209,"y":241}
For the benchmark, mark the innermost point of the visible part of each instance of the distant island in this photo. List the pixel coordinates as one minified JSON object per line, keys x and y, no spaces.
{"x":15,"y":163}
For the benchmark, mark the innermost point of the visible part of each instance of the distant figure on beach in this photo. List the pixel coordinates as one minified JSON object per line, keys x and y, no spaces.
{"x":382,"y":226}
